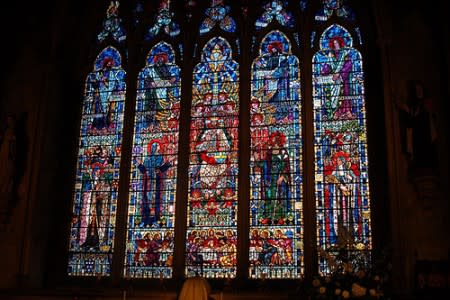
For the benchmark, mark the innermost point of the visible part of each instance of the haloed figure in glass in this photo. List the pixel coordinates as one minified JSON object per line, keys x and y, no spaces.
{"x":153,"y":170}
{"x":274,"y":69}
{"x":337,"y":73}
{"x":102,"y":106}
{"x":160,"y":85}
{"x":96,"y":194}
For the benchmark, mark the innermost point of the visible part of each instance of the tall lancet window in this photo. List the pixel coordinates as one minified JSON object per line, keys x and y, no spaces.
{"x":213,"y":163}
{"x":97,"y":176}
{"x":154,"y":159}
{"x":341,"y":164}
{"x":276,"y":162}
{"x":151,"y":207}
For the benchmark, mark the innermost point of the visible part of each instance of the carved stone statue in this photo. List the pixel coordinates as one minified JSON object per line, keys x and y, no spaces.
{"x":421,"y":131}
{"x":7,"y":160}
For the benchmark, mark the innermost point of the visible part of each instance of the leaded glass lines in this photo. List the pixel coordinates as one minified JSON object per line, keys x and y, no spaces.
{"x":151,"y":208}
{"x":274,"y":9}
{"x":341,"y":163}
{"x":213,"y":164}
{"x":164,"y":22}
{"x":97,"y":176}
{"x":112,"y":24}
{"x":276,"y":170}
{"x":218,"y":14}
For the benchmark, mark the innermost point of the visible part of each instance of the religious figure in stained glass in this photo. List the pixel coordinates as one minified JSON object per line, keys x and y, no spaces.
{"x":104,"y":83}
{"x":274,"y":9}
{"x":336,"y":75}
{"x":276,"y":173}
{"x":153,"y":174}
{"x":112,"y":24}
{"x":213,"y":163}
{"x":164,"y":22}
{"x":218,"y":13}
{"x":342,"y":191}
{"x":94,"y":208}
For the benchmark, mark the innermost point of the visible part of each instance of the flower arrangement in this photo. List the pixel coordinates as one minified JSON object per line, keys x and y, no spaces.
{"x":353,"y":273}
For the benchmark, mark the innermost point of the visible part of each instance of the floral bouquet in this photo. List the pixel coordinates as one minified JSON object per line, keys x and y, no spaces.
{"x":353,"y":273}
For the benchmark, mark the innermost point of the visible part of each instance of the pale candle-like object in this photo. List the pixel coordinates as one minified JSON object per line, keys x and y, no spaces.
{"x":124,"y":295}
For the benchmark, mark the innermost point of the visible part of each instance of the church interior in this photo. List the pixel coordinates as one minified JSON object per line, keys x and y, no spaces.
{"x":50,"y":50}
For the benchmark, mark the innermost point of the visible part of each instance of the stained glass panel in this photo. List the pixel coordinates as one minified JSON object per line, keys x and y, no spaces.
{"x":341,"y":164}
{"x":218,"y":13}
{"x":337,"y":7}
{"x":97,"y":175}
{"x":274,"y":9}
{"x":164,"y":22}
{"x":213,"y":164}
{"x":151,"y":208}
{"x":276,"y":177}
{"x":112,"y":25}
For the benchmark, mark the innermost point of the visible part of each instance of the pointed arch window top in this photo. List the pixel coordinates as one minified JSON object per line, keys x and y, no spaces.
{"x":335,"y":34}
{"x":217,"y":43}
{"x":275,"y":41}
{"x":112,"y":24}
{"x":164,"y":22}
{"x":218,"y":13}
{"x":109,"y":55}
{"x":275,"y":9}
{"x":335,"y":6}
{"x":162,"y":51}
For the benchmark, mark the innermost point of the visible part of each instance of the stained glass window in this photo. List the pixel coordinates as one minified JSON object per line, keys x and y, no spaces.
{"x":97,"y":175}
{"x":341,"y":165}
{"x":276,"y":243}
{"x":213,"y":164}
{"x":274,"y":228}
{"x":164,"y":22}
{"x":151,"y":208}
{"x":334,"y":6}
{"x":274,"y":9}
{"x":218,"y":13}
{"x":112,"y":24}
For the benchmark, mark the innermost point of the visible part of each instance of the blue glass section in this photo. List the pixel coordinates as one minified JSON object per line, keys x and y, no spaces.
{"x":218,"y":13}
{"x":340,"y":135}
{"x":275,"y":10}
{"x":151,"y":208}
{"x":97,"y":176}
{"x":337,"y":7}
{"x":112,"y":24}
{"x":276,"y":176}
{"x":164,"y":22}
